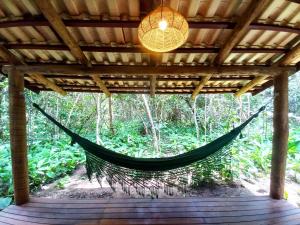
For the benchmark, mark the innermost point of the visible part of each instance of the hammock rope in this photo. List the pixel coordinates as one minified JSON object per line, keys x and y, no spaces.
{"x":150,"y":175}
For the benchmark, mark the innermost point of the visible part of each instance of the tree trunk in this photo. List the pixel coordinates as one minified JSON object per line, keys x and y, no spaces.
{"x":249,"y":106}
{"x":205,"y":119}
{"x":194,"y":110}
{"x":1,"y":111}
{"x":56,"y":129}
{"x":111,"y":127}
{"x":72,"y":109}
{"x":240,"y":101}
{"x":98,"y":120}
{"x":148,"y":111}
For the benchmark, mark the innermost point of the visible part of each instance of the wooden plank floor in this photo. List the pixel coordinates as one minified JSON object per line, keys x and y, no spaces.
{"x":236,"y":210}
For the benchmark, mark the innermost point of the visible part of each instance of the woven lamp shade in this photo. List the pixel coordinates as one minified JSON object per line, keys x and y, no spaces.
{"x":166,"y":38}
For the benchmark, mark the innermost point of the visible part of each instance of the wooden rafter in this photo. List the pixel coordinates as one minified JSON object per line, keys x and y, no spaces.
{"x":253,"y":11}
{"x":164,"y":79}
{"x":135,"y":23}
{"x":101,"y":84}
{"x":43,"y":80}
{"x":200,"y":86}
{"x":58,"y":25}
{"x":295,"y":1}
{"x":292,"y":56}
{"x":263,"y":87}
{"x":270,"y":83}
{"x":158,"y":70}
{"x":240,"y":29}
{"x":190,"y":88}
{"x":138,"y":91}
{"x":250,"y":85}
{"x":152,"y":85}
{"x":12,"y":59}
{"x":140,"y":49}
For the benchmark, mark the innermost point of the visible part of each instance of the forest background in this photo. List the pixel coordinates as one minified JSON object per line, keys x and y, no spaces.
{"x":141,"y":126}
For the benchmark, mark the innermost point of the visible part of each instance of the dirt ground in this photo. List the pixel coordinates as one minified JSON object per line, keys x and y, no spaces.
{"x":77,"y":186}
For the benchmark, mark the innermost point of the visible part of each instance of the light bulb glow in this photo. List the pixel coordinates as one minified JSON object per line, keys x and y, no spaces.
{"x":163,"y":25}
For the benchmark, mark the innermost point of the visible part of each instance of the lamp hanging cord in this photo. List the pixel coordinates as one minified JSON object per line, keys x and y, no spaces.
{"x":161,"y":8}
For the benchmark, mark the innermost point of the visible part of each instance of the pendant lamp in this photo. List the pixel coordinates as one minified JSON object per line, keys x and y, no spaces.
{"x":163,"y":30}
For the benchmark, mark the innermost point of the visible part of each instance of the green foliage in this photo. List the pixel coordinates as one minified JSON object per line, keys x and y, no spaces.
{"x":52,"y":162}
{"x":294,"y":150}
{"x":51,"y":157}
{"x":285,"y":195}
{"x":60,"y":184}
{"x":46,"y":162}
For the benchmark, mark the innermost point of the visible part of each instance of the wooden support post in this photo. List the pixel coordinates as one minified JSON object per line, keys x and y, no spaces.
{"x":280,"y":136}
{"x":18,"y":142}
{"x":152,"y":85}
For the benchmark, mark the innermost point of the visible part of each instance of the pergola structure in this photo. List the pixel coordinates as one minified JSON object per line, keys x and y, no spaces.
{"x":92,"y":46}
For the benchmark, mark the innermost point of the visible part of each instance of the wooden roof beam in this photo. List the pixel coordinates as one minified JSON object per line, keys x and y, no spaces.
{"x":270,"y":83}
{"x":58,"y":25}
{"x":293,"y":56}
{"x":95,"y":87}
{"x":138,"y":91}
{"x":154,"y":70}
{"x":200,"y":86}
{"x":101,"y":84}
{"x":11,"y":58}
{"x":153,"y":85}
{"x":250,"y":85}
{"x":240,"y":29}
{"x":46,"y":82}
{"x":139,"y":49}
{"x":164,"y":79}
{"x":135,"y":23}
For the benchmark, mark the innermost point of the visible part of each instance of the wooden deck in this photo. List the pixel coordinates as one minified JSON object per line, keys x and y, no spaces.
{"x":250,"y":210}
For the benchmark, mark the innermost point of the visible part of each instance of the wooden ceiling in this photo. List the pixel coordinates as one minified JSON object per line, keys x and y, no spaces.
{"x":234,"y":46}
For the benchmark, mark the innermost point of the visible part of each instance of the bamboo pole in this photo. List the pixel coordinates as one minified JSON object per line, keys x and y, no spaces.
{"x":280,"y":136}
{"x":200,"y":86}
{"x":18,"y":142}
{"x":258,"y":80}
{"x":101,"y":84}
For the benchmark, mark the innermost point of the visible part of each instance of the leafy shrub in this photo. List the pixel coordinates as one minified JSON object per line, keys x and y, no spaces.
{"x":46,"y":162}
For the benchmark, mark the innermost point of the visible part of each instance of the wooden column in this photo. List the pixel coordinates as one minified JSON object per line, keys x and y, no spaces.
{"x":17,"y":114}
{"x":280,"y":136}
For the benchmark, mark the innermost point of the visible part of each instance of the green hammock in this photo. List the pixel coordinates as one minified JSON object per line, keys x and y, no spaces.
{"x":147,"y":173}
